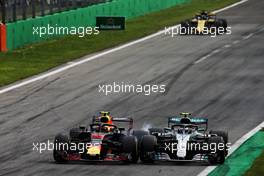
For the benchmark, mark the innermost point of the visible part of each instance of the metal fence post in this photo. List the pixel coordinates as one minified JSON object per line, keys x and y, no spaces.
{"x":42,"y":7}
{"x":33,"y":5}
{"x":3,"y":10}
{"x":14,"y":11}
{"x":59,"y":5}
{"x":51,"y":7}
{"x":24,"y":9}
{"x":67,"y":5}
{"x":75,"y":4}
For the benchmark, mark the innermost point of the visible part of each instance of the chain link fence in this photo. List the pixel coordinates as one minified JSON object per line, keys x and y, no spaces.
{"x":14,"y":10}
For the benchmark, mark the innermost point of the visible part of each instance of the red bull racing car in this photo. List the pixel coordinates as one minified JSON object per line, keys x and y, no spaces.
{"x":101,"y":141}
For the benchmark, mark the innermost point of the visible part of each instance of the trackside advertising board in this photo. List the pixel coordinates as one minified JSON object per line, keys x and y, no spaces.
{"x":110,"y":23}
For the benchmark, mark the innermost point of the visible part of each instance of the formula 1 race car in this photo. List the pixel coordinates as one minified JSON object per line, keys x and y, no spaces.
{"x":204,"y":23}
{"x":185,"y":139}
{"x":102,"y":141}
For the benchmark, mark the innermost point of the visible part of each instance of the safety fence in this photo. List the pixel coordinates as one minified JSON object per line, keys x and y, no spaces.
{"x":15,"y":10}
{"x":20,"y":33}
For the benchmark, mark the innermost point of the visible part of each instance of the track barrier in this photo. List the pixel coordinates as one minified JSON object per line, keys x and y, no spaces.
{"x":20,"y":33}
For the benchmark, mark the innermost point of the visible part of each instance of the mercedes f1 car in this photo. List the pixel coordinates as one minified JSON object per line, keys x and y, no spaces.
{"x":102,"y":141}
{"x":185,"y":139}
{"x":204,"y":23}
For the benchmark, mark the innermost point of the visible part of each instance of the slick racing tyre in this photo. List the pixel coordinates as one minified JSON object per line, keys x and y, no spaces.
{"x":214,"y":29}
{"x":139,"y":134}
{"x":61,"y":144}
{"x":224,"y":135}
{"x":129,"y":144}
{"x":222,"y":23}
{"x":148,"y":144}
{"x":185,"y":27}
{"x":216,"y":156}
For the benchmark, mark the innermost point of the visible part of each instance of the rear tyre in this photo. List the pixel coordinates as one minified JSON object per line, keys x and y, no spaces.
{"x":148,"y":144}
{"x":61,"y":143}
{"x":217,"y":156}
{"x":214,"y":29}
{"x":129,"y":144}
{"x":139,"y":134}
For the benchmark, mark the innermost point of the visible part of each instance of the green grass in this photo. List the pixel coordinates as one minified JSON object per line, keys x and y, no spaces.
{"x":40,"y":57}
{"x":240,"y":161}
{"x":257,"y":167}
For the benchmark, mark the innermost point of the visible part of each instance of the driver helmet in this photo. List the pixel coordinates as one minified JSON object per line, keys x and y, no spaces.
{"x":204,"y":13}
{"x":105,"y":117}
{"x":185,"y":118}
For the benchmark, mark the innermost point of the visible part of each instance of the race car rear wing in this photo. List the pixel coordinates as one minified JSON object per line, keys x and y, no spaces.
{"x":194,"y":120}
{"x":129,"y":120}
{"x":122,"y":119}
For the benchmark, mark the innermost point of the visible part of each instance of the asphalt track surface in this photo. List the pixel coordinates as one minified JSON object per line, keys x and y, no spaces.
{"x":220,"y":78}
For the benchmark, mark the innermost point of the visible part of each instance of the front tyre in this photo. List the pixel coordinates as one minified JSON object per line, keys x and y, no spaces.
{"x":222,"y":23}
{"x":224,"y":135}
{"x":216,"y":156}
{"x":185,"y":27}
{"x":61,"y":144}
{"x":148,"y":144}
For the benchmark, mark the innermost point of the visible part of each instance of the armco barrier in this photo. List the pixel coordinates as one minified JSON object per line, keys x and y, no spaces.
{"x":21,"y":33}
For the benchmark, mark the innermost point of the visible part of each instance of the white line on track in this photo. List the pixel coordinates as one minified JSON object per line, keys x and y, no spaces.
{"x":207,"y":56}
{"x":216,"y":51}
{"x":211,"y":54}
{"x":232,"y":5}
{"x":74,"y":64}
{"x":236,"y":42}
{"x":227,"y":46}
{"x":224,"y":47}
{"x":203,"y":58}
{"x":234,"y":147}
{"x":248,"y":36}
